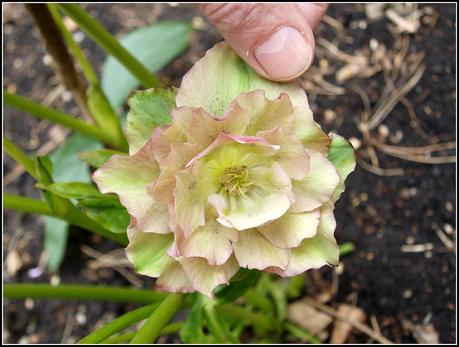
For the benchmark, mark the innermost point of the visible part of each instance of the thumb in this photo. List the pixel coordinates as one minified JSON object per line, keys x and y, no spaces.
{"x":275,"y":39}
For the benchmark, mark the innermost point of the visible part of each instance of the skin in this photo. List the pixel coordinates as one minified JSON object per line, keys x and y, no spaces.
{"x":275,"y":39}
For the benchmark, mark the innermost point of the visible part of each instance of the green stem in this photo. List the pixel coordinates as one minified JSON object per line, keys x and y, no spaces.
{"x":301,"y":333}
{"x":43,"y":112}
{"x":126,"y":337}
{"x":21,"y":203}
{"x":73,"y":46}
{"x":158,"y":319}
{"x":81,"y":292}
{"x":71,"y":214}
{"x":19,"y":156}
{"x":119,"y":324}
{"x":104,"y":39}
{"x":217,"y":326}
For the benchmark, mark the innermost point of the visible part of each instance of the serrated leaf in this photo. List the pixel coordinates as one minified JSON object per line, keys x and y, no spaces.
{"x":109,"y":213}
{"x":342,"y":156}
{"x":98,"y":157}
{"x":154,"y":46}
{"x":148,"y":109}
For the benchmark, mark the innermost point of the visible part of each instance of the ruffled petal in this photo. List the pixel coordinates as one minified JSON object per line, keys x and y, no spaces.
{"x":175,"y":279}
{"x":221,"y":75}
{"x":318,"y":185}
{"x":309,"y":132}
{"x":204,"y":277}
{"x":211,"y":241}
{"x":289,"y":230}
{"x":291,"y":154}
{"x":147,"y":251}
{"x":315,"y":252}
{"x":129,"y":176}
{"x":253,"y":251}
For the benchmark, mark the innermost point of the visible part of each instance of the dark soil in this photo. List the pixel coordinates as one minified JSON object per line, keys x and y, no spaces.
{"x":378,"y":214}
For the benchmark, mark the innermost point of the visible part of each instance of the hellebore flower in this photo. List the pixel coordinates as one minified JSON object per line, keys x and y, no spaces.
{"x":243,"y":177}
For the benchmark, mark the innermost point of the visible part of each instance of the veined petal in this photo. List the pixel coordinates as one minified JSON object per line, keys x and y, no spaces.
{"x":291,"y":155}
{"x":309,"y":132}
{"x":264,"y":114}
{"x":315,"y":252}
{"x":147,"y":251}
{"x":190,"y":196}
{"x":175,"y":279}
{"x":253,"y":251}
{"x":211,"y":241}
{"x":129,"y":176}
{"x":221,"y":75}
{"x":289,"y":230}
{"x":204,"y":277}
{"x":318,"y":185}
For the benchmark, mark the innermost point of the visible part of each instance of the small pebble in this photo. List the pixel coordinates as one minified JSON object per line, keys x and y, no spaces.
{"x":29,"y":303}
{"x":55,"y":280}
{"x":407,"y":294}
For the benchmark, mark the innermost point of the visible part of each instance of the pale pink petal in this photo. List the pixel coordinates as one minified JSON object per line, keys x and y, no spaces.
{"x":211,"y":241}
{"x":253,"y":251}
{"x":309,"y":132}
{"x":175,"y":279}
{"x":289,"y":230}
{"x":204,"y":277}
{"x":317,"y":251}
{"x":291,"y":155}
{"x":317,"y":187}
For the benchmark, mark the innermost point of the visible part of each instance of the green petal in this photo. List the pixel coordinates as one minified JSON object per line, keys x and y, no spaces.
{"x":289,"y":230}
{"x":318,"y":185}
{"x":129,"y":176}
{"x":221,"y":75}
{"x":147,"y":251}
{"x":253,"y":251}
{"x":148,"y":109}
{"x":343,"y":158}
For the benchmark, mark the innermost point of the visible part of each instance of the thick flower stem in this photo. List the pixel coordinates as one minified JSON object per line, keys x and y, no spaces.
{"x":104,"y":39}
{"x":19,"y":156}
{"x":158,"y":319}
{"x":58,"y":117}
{"x":118,"y":324}
{"x":77,"y":52}
{"x":63,"y":62}
{"x":72,"y":215}
{"x":81,"y":292}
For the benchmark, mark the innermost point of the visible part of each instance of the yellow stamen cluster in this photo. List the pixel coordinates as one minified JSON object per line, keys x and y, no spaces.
{"x":235,"y":180}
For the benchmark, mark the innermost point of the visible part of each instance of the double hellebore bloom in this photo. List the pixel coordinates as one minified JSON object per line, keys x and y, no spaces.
{"x":241,"y":178}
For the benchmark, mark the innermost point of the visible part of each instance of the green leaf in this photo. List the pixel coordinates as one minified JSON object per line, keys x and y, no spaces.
{"x":243,"y":281}
{"x":66,"y":167}
{"x":98,"y":157}
{"x":148,"y":109}
{"x":154,"y":46}
{"x":109,"y":213}
{"x":342,"y":156}
{"x":71,"y":190}
{"x":56,"y":234}
{"x":295,"y":286}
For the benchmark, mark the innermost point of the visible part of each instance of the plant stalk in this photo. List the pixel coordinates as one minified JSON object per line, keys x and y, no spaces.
{"x":110,"y":44}
{"x":19,"y":156}
{"x":56,"y":47}
{"x":158,"y":319}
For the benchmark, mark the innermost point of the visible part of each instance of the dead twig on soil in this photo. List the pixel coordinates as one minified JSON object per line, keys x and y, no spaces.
{"x":357,"y":325}
{"x":379,"y":171}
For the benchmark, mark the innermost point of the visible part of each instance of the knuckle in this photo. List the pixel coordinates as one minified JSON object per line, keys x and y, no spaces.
{"x":231,"y":15}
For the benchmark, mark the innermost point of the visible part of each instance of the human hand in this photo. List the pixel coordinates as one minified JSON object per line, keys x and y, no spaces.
{"x":275,"y":39}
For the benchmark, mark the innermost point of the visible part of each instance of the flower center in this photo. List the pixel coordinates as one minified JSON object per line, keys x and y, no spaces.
{"x":235,"y":180}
